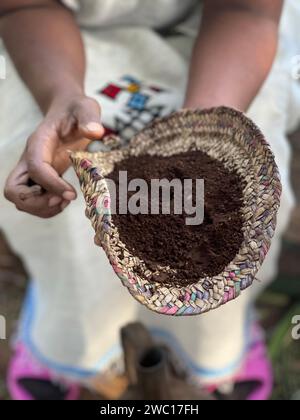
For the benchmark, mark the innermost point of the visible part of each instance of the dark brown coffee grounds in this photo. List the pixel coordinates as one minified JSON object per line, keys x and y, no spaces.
{"x":165,"y":240}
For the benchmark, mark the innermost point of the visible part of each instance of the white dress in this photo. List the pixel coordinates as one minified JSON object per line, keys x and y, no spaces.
{"x":147,"y":13}
{"x":76,"y":304}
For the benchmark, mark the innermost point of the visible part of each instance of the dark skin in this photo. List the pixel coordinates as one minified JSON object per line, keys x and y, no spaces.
{"x":232,"y":57}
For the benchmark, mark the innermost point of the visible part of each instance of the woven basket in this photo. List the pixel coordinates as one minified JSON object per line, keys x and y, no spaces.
{"x":226,"y":135}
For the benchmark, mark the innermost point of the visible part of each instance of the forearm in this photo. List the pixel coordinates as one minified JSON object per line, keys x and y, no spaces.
{"x":46,"y":47}
{"x":233,"y":55}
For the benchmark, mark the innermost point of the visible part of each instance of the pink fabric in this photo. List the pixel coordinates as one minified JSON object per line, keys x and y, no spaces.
{"x":23,"y":365}
{"x":257,"y":368}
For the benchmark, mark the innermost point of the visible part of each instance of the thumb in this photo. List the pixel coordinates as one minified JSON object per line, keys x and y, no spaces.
{"x":88,"y":115}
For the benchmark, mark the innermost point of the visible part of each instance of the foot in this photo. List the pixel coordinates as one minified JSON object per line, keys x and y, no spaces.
{"x":28,"y":380}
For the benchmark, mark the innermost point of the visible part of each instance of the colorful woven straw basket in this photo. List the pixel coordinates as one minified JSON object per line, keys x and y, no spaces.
{"x":226,"y":135}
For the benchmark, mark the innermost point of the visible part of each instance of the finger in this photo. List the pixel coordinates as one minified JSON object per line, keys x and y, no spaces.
{"x":35,"y":191}
{"x":32,"y":200}
{"x":42,"y":213}
{"x":21,"y":196}
{"x":46,"y":176}
{"x":68,"y":126}
{"x":39,"y":206}
{"x":42,"y":206}
{"x":40,"y":156}
{"x":54,"y":201}
{"x":88,"y":115}
{"x":62,"y":160}
{"x":24,"y":201}
{"x":18,"y":176}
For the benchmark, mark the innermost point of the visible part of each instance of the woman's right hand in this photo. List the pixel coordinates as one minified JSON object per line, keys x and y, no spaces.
{"x":70,"y":124}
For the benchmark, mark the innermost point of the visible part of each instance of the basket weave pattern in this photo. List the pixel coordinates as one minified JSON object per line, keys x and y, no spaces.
{"x":226,"y":135}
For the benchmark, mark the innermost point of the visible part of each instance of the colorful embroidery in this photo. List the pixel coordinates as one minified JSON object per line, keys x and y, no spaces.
{"x":134,"y":88}
{"x":138,"y":101}
{"x":111,"y":91}
{"x":133,"y":110}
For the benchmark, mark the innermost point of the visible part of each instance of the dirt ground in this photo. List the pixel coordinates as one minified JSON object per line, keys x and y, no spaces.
{"x":277,"y":306}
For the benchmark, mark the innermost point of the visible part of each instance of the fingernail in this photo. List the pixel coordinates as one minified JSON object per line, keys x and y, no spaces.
{"x":94,"y":127}
{"x":54,"y":201}
{"x":64,"y":205}
{"x":69,"y":196}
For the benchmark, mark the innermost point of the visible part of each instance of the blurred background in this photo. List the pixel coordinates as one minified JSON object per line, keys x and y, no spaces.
{"x":277,"y":306}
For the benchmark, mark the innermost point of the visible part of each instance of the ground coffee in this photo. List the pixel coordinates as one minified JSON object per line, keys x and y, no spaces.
{"x":165,"y":240}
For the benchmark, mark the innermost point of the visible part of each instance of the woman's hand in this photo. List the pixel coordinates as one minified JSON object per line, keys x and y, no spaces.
{"x":54,"y":72}
{"x":70,"y":124}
